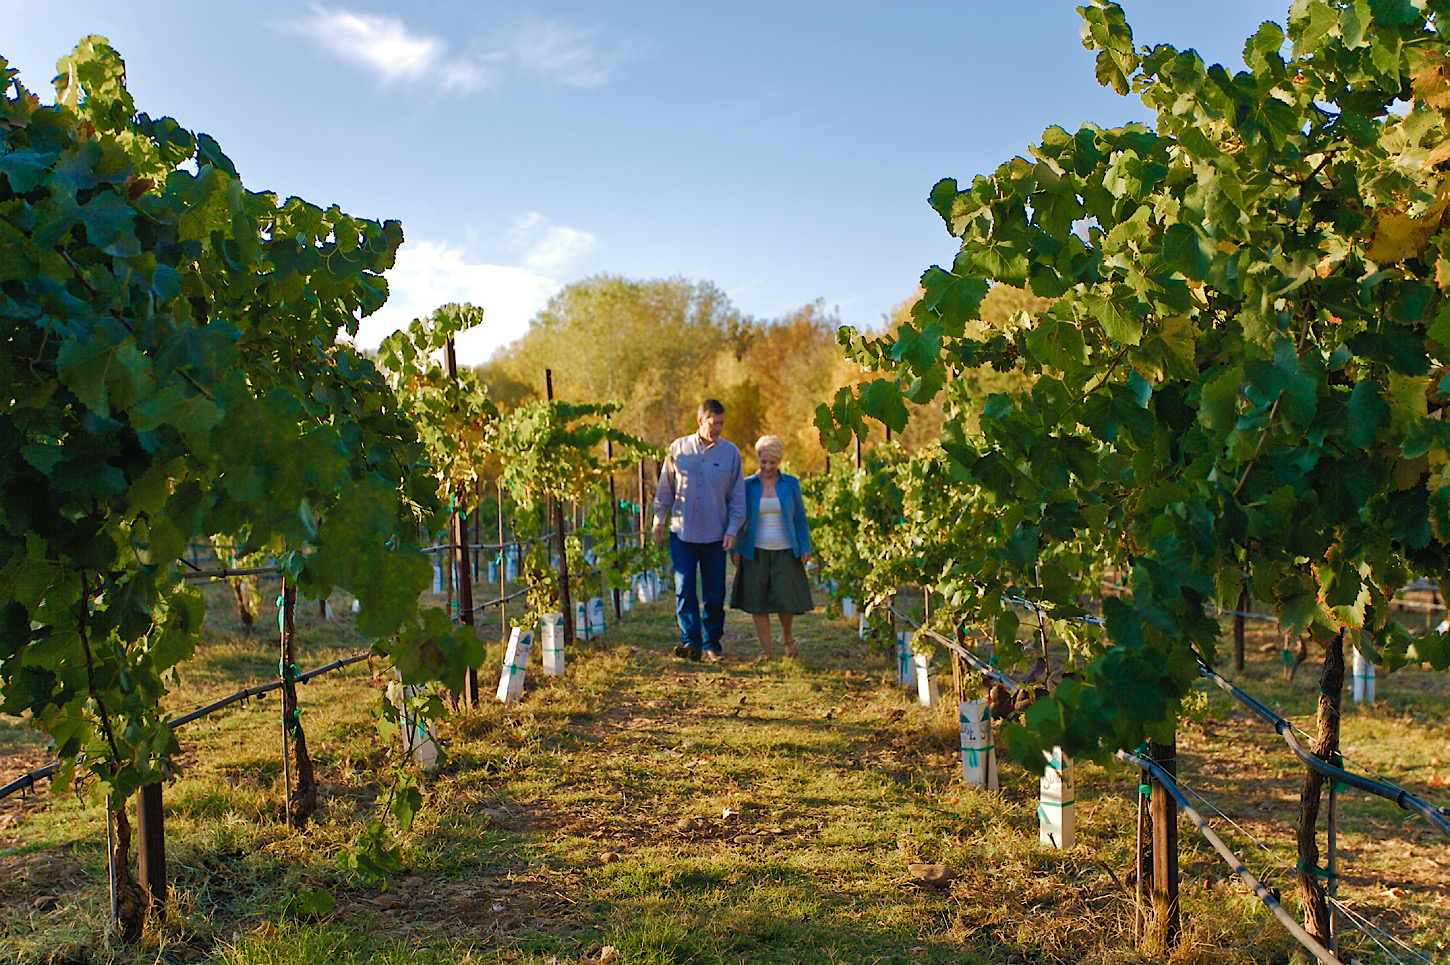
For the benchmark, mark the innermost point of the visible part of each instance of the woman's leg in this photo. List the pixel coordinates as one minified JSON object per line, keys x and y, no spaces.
{"x":786,"y":619}
{"x":762,"y":631}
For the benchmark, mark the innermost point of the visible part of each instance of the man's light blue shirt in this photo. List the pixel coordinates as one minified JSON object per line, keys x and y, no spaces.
{"x":701,"y":490}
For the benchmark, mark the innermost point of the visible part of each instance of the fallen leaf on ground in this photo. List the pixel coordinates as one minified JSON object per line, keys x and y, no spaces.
{"x":932,"y":875}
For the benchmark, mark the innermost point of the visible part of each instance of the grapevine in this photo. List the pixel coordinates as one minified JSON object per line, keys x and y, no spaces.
{"x":1238,"y":378}
{"x":175,"y":373}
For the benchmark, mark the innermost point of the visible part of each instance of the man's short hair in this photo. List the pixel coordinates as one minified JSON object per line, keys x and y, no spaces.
{"x":708,"y":408}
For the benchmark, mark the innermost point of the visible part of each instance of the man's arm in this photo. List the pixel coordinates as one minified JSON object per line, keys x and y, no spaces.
{"x":664,"y":498}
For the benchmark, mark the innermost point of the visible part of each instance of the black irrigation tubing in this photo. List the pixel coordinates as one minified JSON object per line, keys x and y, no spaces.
{"x":1273,"y":618}
{"x":262,"y":689}
{"x":1437,"y":816}
{"x":977,"y":663}
{"x":501,"y":600}
{"x":224,"y":573}
{"x":549,"y":538}
{"x":26,"y":781}
{"x":1324,"y":955}
{"x":546,"y":538}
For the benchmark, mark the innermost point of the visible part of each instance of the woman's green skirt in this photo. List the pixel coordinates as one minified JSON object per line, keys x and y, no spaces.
{"x":773,"y":582}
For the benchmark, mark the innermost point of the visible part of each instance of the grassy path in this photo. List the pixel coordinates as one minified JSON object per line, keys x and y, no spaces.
{"x":683,"y":812}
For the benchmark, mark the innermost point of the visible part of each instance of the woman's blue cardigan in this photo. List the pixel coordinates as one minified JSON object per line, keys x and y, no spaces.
{"x":792,"y":508}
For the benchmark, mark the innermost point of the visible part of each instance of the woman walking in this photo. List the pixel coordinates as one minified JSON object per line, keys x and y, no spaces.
{"x":774,"y":546}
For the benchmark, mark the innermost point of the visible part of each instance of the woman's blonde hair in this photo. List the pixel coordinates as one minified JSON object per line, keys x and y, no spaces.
{"x":770,"y":446}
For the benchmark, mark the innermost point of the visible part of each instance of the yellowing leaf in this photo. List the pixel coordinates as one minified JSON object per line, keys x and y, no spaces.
{"x":1399,"y":235}
{"x":1432,"y":82}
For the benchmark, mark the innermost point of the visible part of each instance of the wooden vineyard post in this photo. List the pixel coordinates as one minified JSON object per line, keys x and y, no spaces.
{"x":643,"y":527}
{"x":565,"y":609}
{"x":613,"y":524}
{"x":959,"y":668}
{"x":1326,"y":748}
{"x":151,"y":846}
{"x":477,"y":526}
{"x":1245,"y":601}
{"x":503,"y":571}
{"x":1163,"y":811}
{"x":300,"y":805}
{"x":462,"y":570}
{"x":445,"y":565}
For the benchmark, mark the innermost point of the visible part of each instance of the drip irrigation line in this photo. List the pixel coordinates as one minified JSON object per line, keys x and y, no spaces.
{"x":549,"y":538}
{"x":28,"y":780}
{"x":501,"y":600}
{"x":1372,"y":785}
{"x":1041,"y":611}
{"x":1325,"y":956}
{"x":1418,"y":605}
{"x":224,"y":573}
{"x":976,"y":662}
{"x":546,"y":538}
{"x":1248,"y":615}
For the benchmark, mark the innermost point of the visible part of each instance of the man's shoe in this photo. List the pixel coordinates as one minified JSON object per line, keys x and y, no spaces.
{"x":712,"y":656}
{"x":681,"y":650}
{"x":693,"y":653}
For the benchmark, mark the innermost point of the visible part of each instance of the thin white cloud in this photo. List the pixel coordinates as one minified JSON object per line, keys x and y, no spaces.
{"x":546,"y":248}
{"x":386,"y":45}
{"x":565,"y":54}
{"x":553,"y":51}
{"x":429,"y":274}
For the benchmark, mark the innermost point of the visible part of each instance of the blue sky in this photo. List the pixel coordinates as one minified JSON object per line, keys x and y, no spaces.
{"x":781,"y":150}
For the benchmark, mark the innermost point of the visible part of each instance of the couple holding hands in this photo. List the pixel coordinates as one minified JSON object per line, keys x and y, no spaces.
{"x":707,"y":508}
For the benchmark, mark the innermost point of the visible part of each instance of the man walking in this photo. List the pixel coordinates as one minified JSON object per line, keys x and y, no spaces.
{"x":701,"y":497}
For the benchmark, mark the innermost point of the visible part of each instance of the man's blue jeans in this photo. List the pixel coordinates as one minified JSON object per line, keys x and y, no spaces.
{"x":709,"y":559}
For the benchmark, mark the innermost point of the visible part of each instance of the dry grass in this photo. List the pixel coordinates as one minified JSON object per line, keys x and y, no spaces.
{"x":595,"y":813}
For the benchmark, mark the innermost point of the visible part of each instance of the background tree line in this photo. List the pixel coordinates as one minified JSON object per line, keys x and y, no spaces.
{"x":661,"y":345}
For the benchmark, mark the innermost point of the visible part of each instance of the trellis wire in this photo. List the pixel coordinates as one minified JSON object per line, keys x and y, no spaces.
{"x":1365,"y":925}
{"x":28,"y":780}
